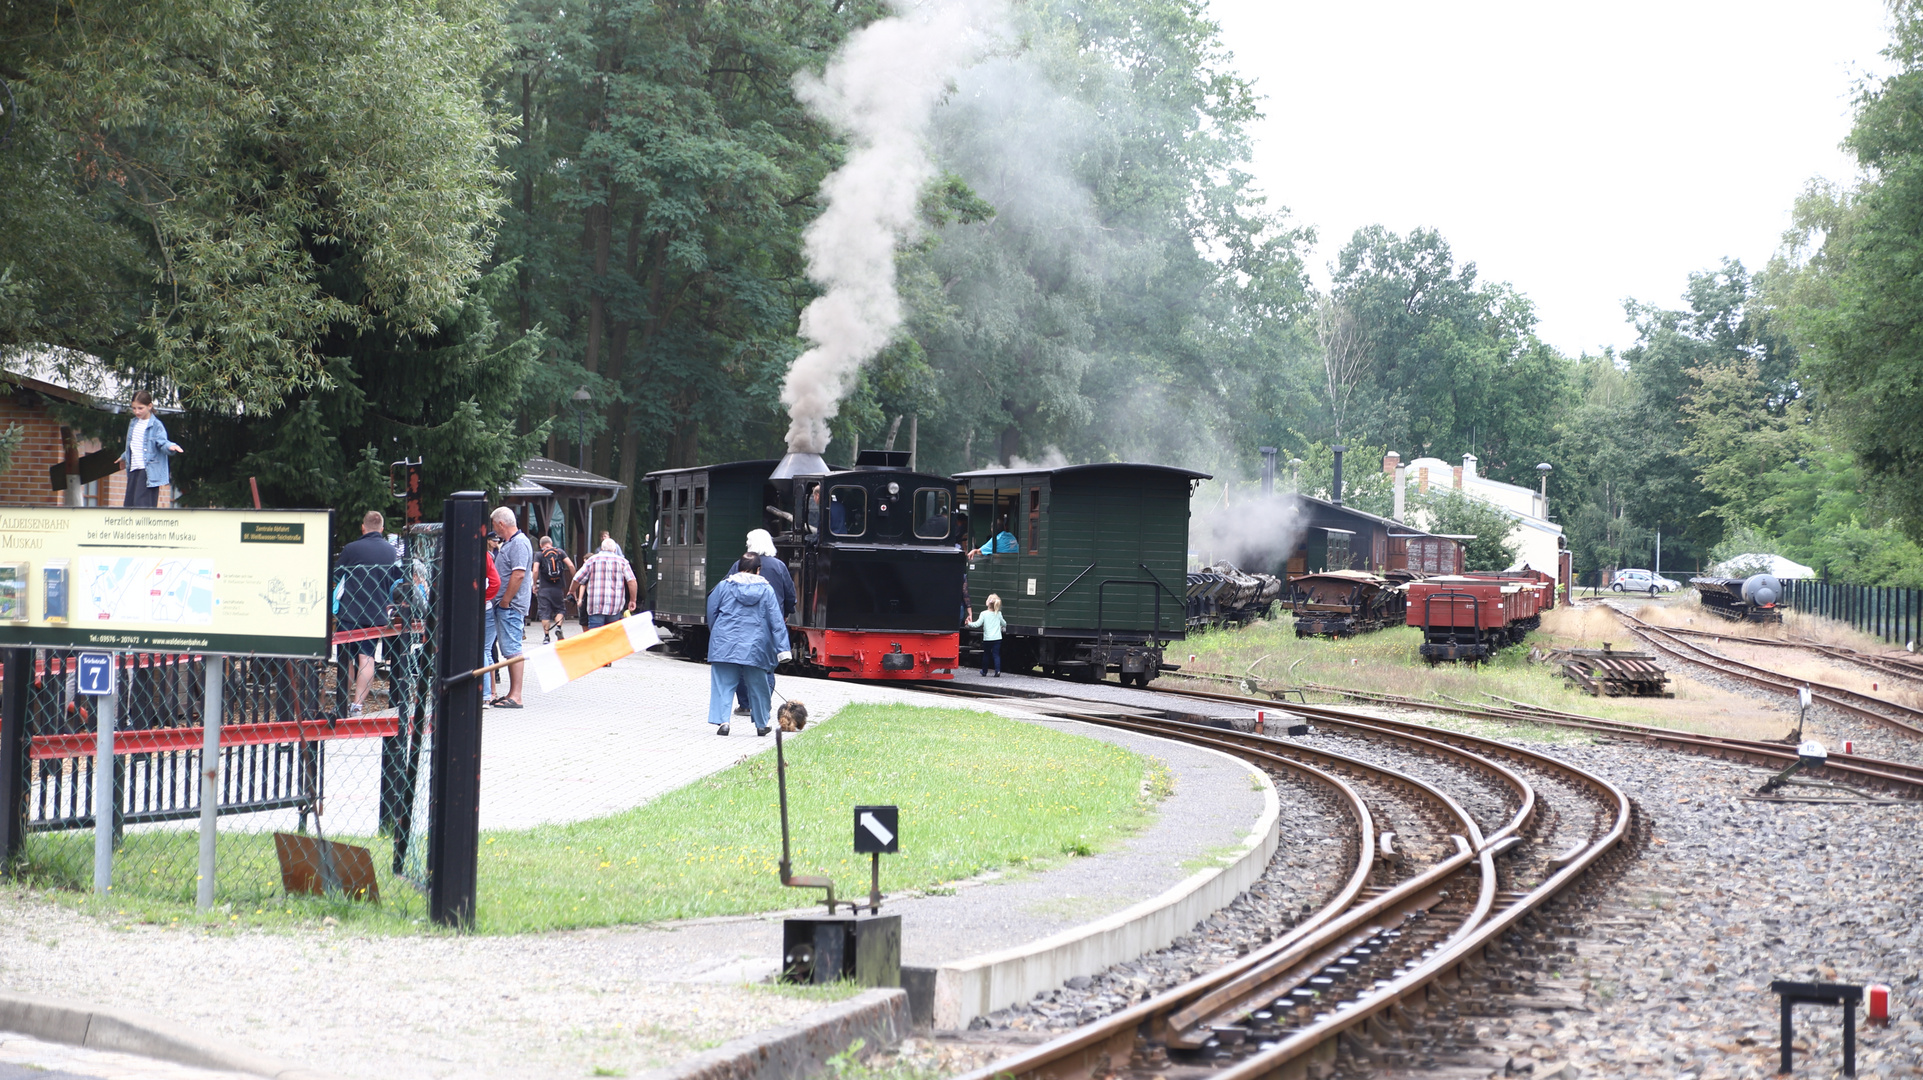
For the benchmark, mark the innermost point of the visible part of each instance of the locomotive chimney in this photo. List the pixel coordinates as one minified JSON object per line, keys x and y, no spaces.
{"x":1335,"y":482}
{"x":799,"y":464}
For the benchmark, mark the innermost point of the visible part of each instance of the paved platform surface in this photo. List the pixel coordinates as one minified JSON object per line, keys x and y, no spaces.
{"x":564,"y":1004}
{"x":22,"y":1058}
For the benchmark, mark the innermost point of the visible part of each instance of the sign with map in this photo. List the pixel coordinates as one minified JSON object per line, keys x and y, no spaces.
{"x":217,"y":581}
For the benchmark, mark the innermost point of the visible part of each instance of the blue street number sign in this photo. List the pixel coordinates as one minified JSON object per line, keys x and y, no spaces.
{"x":97,"y":674}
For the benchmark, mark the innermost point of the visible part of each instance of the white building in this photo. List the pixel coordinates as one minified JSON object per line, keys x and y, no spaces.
{"x":1538,"y":541}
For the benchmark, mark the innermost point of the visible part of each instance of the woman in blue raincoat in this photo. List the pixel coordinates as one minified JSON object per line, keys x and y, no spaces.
{"x":747,"y":637}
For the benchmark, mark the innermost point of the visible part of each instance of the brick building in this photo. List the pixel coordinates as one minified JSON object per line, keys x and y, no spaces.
{"x":27,"y":394}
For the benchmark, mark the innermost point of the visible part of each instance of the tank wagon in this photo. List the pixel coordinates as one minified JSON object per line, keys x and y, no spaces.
{"x":1750,"y":599}
{"x":1097,"y":582}
{"x":1467,"y":618}
{"x":874,"y":552}
{"x":1342,"y":603}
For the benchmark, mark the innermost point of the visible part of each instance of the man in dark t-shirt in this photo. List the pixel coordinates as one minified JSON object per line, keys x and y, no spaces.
{"x":367,"y":570}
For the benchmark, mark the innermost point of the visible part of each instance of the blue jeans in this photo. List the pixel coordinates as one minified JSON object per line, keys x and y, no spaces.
{"x":598,"y":620}
{"x":991,"y":651}
{"x":487,"y":650}
{"x":722,"y":680}
{"x":505,"y":630}
{"x":741,"y":693}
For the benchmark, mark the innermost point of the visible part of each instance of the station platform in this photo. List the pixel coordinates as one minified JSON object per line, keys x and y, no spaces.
{"x":646,"y":997}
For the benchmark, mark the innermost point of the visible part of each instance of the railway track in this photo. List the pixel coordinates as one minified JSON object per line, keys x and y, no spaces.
{"x":1458,"y":840}
{"x":1899,"y":718}
{"x":1897,"y":669}
{"x":1898,"y":779}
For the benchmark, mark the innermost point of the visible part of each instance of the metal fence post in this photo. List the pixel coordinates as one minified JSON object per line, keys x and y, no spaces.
{"x":16,"y":676}
{"x":454,"y":814}
{"x":210,"y":779}
{"x":106,"y":794}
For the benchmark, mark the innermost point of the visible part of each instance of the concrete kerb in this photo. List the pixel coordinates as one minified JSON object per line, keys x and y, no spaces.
{"x":879,"y":1017}
{"x":965,"y":989}
{"x":124,"y":1032}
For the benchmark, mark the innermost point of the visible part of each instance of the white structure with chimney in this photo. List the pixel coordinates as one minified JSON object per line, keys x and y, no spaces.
{"x":1538,"y":541}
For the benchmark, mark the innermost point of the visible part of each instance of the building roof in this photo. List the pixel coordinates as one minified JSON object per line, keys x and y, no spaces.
{"x":763,"y":465}
{"x":75,"y":377}
{"x":1063,"y":470}
{"x":551,"y":473}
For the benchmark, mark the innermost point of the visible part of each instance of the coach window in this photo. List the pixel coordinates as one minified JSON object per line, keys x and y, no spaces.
{"x":664,"y":516}
{"x":681,"y":516}
{"x":701,"y":515}
{"x":1034,"y":520}
{"x":932,"y":518}
{"x":847,"y":510}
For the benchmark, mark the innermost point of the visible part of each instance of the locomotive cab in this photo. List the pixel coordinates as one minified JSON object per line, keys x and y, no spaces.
{"x":877,"y":568}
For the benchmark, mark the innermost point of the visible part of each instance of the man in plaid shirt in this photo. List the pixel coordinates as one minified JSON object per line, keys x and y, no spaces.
{"x":602,"y":583}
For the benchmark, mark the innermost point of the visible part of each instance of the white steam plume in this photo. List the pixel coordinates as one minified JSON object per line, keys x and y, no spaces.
{"x":879,"y":91}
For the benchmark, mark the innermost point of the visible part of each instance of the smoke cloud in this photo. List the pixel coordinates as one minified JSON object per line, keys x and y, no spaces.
{"x":879,"y":92}
{"x":1255,"y":532}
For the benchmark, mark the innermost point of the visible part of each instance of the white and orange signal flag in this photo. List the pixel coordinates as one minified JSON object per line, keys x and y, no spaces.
{"x":570,"y":658}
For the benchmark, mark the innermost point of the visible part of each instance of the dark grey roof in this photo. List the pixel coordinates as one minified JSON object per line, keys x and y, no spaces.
{"x":1189,"y":474}
{"x":765,"y":465}
{"x":551,"y":473}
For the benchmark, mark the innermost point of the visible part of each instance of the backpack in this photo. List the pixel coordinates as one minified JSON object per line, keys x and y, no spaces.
{"x":551,"y":566}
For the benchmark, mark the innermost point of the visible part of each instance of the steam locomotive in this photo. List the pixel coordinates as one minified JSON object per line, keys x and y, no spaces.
{"x":873,"y":550}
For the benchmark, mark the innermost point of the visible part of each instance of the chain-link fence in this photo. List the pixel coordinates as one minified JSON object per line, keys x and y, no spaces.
{"x":322,"y":778}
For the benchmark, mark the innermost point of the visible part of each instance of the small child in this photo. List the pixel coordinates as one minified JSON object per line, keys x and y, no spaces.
{"x":992,"y":624}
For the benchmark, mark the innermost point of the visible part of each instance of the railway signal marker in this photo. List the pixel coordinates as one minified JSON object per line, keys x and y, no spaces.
{"x":875,"y":830}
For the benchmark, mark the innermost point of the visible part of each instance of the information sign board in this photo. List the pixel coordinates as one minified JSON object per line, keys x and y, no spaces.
{"x":144,"y":580}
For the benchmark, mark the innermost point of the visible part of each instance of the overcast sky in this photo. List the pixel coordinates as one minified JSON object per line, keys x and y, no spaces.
{"x":1586,"y":153}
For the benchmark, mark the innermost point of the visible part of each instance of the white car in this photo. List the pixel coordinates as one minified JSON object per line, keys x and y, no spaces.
{"x":1643,"y":581}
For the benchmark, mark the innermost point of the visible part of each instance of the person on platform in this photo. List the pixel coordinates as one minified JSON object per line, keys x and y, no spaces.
{"x":493,"y":590}
{"x":746,"y":639}
{"x":367,"y":569}
{"x":777,"y":574}
{"x":553,"y":571}
{"x":600,"y":585}
{"x":515,"y":562}
{"x":991,"y":624}
{"x":145,"y":458}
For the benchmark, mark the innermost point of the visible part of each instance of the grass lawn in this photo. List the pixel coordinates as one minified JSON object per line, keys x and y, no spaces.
{"x":1387,"y":662}
{"x":977,"y":792}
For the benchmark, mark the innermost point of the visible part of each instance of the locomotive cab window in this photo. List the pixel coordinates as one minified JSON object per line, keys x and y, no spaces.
{"x":847,"y":510}
{"x":932,"y":519}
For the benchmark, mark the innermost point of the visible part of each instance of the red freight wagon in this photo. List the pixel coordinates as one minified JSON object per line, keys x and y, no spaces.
{"x":1526,"y":575}
{"x":1468,"y":618}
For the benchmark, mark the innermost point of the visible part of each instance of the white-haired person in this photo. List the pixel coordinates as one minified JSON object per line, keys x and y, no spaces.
{"x":747,"y":638}
{"x":515,"y":561}
{"x":776,"y":571}
{"x":605,"y":588}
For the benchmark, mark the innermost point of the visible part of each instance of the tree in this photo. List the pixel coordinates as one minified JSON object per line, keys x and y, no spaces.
{"x":1855,"y":298}
{"x":662,"y":176}
{"x":1453,"y":513}
{"x":184,"y":174}
{"x":450,"y":398}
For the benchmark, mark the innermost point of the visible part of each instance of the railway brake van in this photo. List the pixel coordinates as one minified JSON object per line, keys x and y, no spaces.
{"x":1098,"y":580}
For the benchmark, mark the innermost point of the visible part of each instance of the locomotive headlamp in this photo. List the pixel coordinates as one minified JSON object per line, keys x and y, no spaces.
{"x":894,"y":488}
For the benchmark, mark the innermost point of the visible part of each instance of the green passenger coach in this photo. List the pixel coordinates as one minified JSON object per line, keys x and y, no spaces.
{"x":701,"y":522}
{"x":1098,"y":580}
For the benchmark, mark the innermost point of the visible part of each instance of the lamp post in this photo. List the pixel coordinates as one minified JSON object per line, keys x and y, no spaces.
{"x":1543,"y":471}
{"x":581,"y":399}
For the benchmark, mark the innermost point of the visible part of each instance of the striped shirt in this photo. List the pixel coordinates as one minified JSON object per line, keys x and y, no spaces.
{"x":605,"y":576}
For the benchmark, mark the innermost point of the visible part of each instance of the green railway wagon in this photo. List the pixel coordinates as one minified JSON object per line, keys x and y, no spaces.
{"x":701,"y":521}
{"x":1098,"y":580}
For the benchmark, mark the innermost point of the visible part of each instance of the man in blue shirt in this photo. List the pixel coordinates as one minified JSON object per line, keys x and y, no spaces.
{"x":367,"y":570}
{"x":515,"y":563}
{"x":1003,"y":543}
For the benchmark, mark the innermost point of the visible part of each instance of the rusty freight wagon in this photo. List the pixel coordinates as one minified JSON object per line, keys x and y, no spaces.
{"x":1465,"y":618}
{"x":1096,"y":580}
{"x":1341,"y":603}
